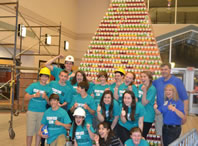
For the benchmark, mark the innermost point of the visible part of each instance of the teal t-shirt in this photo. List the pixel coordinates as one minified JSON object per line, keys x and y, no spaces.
{"x":38,"y":104}
{"x":64,"y":92}
{"x":82,"y":135}
{"x":87,"y":100}
{"x":98,"y":91}
{"x":49,"y":118}
{"x":116,"y":110}
{"x":143,"y":142}
{"x":139,"y":112}
{"x":56,"y":71}
{"x":149,"y":114}
{"x":121,"y":89}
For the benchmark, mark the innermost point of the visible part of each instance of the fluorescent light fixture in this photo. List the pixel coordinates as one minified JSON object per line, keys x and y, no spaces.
{"x":48,"y":39}
{"x":66,"y":45}
{"x":21,"y":30}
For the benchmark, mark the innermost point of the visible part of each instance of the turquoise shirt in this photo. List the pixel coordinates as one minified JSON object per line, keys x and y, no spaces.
{"x":56,"y":71}
{"x":87,"y":100}
{"x":121,"y":89}
{"x":116,"y":110}
{"x":149,"y":115}
{"x":98,"y":91}
{"x":38,"y":104}
{"x":82,"y":135}
{"x":49,"y":118}
{"x":143,"y":142}
{"x":64,"y":92}
{"x":74,"y":87}
{"x":139,"y":112}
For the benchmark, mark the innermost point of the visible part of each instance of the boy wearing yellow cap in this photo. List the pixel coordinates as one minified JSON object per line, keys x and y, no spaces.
{"x":37,"y":94}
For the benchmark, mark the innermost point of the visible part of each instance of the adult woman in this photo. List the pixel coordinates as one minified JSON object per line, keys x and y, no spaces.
{"x":173,"y":114}
{"x":132,"y":115}
{"x":108,"y":109}
{"x":136,"y":138}
{"x":106,"y":136}
{"x":147,"y":93}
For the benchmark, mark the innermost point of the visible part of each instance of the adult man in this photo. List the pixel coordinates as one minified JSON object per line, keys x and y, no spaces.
{"x":160,"y":84}
{"x":55,"y":71}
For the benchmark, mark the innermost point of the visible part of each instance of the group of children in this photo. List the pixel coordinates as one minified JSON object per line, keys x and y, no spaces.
{"x":111,"y":114}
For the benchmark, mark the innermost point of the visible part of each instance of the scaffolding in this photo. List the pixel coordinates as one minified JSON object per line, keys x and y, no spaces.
{"x":15,"y":66}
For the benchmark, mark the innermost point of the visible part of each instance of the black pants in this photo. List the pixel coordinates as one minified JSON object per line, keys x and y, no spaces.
{"x":122,"y":133}
{"x":170,"y":133}
{"x":146,"y":129}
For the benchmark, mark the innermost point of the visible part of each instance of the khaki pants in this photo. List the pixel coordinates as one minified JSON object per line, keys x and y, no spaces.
{"x":60,"y":141}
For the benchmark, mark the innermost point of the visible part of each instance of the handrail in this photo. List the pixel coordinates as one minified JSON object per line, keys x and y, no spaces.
{"x":177,"y":35}
{"x":188,"y":139}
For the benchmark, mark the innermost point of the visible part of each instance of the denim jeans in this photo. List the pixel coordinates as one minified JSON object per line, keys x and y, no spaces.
{"x":170,"y":134}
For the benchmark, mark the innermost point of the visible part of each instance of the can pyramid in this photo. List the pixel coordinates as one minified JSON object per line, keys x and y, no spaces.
{"x":125,"y":40}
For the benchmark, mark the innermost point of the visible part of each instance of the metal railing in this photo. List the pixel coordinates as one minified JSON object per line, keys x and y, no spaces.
{"x":189,"y":139}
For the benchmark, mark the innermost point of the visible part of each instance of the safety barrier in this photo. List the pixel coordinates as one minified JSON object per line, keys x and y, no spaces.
{"x":189,"y":139}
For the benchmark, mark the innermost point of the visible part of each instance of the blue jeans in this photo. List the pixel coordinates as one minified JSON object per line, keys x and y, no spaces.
{"x":170,"y":133}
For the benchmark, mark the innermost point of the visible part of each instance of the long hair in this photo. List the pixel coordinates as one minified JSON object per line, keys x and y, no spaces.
{"x":111,"y":134}
{"x":150,"y":76}
{"x":175,"y":94}
{"x":133,"y":105}
{"x":74,"y":79}
{"x":102,"y":104}
{"x":75,"y":127}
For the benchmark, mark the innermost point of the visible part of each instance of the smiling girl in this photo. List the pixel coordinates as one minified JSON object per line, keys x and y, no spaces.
{"x":108,"y":109}
{"x":82,"y":133}
{"x":147,"y":93}
{"x":173,"y":114}
{"x":106,"y":136}
{"x":132,"y":115}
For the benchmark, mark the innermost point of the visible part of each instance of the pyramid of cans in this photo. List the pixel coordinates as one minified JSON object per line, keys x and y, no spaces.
{"x":124,"y":39}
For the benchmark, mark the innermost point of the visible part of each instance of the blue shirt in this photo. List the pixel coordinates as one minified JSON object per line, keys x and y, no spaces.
{"x":82,"y":135}
{"x":87,"y":100}
{"x":38,"y":104}
{"x":98,"y":91}
{"x":116,"y":111}
{"x":170,"y":117}
{"x":161,"y":83}
{"x":49,"y":118}
{"x":139,"y":112}
{"x":121,"y":89}
{"x":64,"y":92}
{"x":143,"y":142}
{"x":149,"y":114}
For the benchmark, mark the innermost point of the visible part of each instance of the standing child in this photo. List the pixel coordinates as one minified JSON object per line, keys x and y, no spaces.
{"x":173,"y":114}
{"x":62,"y":89}
{"x":132,"y":115}
{"x":57,"y":121}
{"x":84,"y":100}
{"x":147,"y":93}
{"x":136,"y":138}
{"x":82,"y":133}
{"x":108,"y":109}
{"x":37,"y":94}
